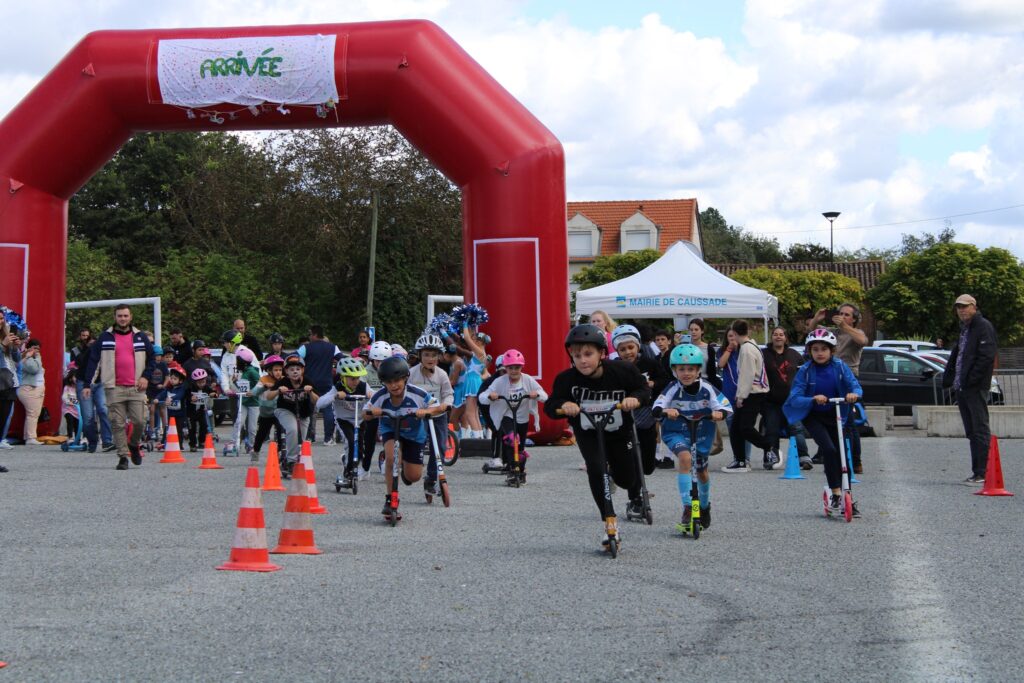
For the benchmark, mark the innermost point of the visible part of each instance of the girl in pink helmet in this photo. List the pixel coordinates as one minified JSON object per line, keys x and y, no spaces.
{"x":513,"y":385}
{"x":200,"y":397}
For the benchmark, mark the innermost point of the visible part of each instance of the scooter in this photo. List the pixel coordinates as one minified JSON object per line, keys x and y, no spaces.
{"x":348,"y":479}
{"x":600,"y":418}
{"x":693,"y":528}
{"x":646,"y":513}
{"x":516,"y":476}
{"x":847,"y":495}
{"x":391,"y":513}
{"x":77,"y":444}
{"x":441,"y":484}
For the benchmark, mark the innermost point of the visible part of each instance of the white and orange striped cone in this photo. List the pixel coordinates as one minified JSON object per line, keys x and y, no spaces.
{"x":209,"y":456}
{"x":296,"y":536}
{"x":306,"y":458}
{"x":249,"y":549}
{"x":172,"y":451}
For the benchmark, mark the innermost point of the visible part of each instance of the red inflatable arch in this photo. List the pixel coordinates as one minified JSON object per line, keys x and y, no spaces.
{"x":410,"y":74}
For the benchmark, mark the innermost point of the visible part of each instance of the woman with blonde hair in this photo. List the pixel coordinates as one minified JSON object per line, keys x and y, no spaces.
{"x":605,"y":323}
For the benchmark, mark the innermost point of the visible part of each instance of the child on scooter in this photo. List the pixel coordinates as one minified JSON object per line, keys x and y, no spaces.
{"x":435,"y":381}
{"x":200,"y":398}
{"x":295,"y":402}
{"x":822,"y":378}
{"x":513,"y":385}
{"x":399,"y":394}
{"x":172,"y":399}
{"x":691,"y":399}
{"x":273,"y":365}
{"x":349,"y":382}
{"x":69,"y":404}
{"x":593,"y":379}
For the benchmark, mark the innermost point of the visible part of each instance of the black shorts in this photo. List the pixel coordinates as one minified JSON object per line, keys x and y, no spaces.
{"x":412,"y":451}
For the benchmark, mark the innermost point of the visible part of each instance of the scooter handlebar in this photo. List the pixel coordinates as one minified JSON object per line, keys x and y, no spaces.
{"x":617,"y":406}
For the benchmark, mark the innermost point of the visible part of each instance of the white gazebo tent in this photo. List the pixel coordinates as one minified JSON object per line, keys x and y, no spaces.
{"x":679,"y":285}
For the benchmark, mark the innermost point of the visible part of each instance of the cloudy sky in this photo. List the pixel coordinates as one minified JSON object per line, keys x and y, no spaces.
{"x":905,"y":115}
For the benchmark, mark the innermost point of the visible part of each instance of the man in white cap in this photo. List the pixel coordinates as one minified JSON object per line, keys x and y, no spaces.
{"x":969,"y":374}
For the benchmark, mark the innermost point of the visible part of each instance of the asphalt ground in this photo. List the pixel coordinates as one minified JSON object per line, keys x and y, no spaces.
{"x":108,"y":575}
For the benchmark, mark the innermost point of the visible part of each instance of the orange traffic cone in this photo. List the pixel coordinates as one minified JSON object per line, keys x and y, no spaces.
{"x":172,"y":451}
{"x":306,"y":458}
{"x":209,"y":456}
{"x":272,"y":470}
{"x":297,"y":533}
{"x":249,"y":549}
{"x":993,"y":473}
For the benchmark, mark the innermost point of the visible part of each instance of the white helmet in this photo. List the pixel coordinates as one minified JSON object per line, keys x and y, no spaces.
{"x":624,"y":333}
{"x":429,"y":341}
{"x":821,"y":335}
{"x":380,"y":350}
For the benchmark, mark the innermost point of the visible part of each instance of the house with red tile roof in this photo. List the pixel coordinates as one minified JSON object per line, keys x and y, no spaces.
{"x":616,"y":227}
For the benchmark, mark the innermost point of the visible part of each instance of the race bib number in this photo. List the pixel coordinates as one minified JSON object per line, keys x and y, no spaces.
{"x":601,"y":406}
{"x":243,"y":385}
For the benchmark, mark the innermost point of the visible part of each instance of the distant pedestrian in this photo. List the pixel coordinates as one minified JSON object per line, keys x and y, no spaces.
{"x":319,"y":356}
{"x":126,"y":357}
{"x":248,"y":340}
{"x":181,"y":346}
{"x":32,"y":390}
{"x":969,"y":373}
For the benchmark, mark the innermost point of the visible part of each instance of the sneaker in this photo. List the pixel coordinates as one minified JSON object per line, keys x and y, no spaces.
{"x":858,"y":468}
{"x":856,"y":512}
{"x":737,"y":466}
{"x":3,"y":469}
{"x":361,"y":474}
{"x":805,"y":463}
{"x":92,"y":448}
{"x":122,"y":464}
{"x":495,"y":464}
{"x":835,"y":504}
{"x":974,"y":480}
{"x":684,"y":524}
{"x":33,"y":442}
{"x":136,"y":455}
{"x":107,"y":447}
{"x":329,"y":442}
{"x":817,"y":460}
{"x":387,"y":507}
{"x":705,"y":516}
{"x":771,"y":459}
{"x":5,"y":445}
{"x":430,"y":486}
{"x":191,"y":449}
{"x":635,"y":509}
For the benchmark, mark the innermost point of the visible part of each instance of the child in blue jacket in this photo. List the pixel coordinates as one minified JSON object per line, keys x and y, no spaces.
{"x":820,"y":379}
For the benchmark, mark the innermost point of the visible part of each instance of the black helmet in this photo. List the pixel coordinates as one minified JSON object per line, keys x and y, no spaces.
{"x":276,"y":338}
{"x":587,"y":334}
{"x":393,"y":368}
{"x":198,"y":344}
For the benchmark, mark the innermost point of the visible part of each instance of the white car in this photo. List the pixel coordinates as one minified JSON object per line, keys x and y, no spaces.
{"x":905,"y":344}
{"x":941,"y":357}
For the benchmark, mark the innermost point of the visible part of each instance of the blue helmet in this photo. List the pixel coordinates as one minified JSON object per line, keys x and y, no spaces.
{"x":686,"y":354}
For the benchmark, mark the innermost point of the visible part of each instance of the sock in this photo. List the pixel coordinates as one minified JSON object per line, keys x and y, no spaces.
{"x":704,"y":492}
{"x":685,"y":482}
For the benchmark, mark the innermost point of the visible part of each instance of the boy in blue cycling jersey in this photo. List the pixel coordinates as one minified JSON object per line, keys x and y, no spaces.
{"x":415,"y":404}
{"x":687,"y":400}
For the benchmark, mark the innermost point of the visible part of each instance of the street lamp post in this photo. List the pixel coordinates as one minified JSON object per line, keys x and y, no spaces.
{"x":374,"y":201}
{"x":831,"y":216}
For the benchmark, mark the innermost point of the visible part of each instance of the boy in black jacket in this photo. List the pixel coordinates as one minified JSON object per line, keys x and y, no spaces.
{"x":595,"y":379}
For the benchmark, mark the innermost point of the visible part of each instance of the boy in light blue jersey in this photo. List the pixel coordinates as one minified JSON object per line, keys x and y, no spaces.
{"x":688,"y":400}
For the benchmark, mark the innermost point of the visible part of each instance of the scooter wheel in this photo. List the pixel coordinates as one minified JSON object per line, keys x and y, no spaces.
{"x":847,"y":507}
{"x":393,"y":517}
{"x":695,"y":528}
{"x":429,"y":497}
{"x":337,"y":488}
{"x":446,"y":495}
{"x":355,"y":487}
{"x":649,"y":516}
{"x":824,"y":501}
{"x":613,"y":546}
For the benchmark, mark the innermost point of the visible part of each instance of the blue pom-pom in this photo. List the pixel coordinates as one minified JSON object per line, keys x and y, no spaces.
{"x":13,"y":320}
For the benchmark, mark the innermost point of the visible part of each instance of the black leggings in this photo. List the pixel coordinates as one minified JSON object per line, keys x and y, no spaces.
{"x":621,"y":464}
{"x":506,"y":444}
{"x":263,"y":426}
{"x":648,"y":447}
{"x":197,"y":428}
{"x":71,"y":422}
{"x":822,"y":428}
{"x":743,"y":429}
{"x":368,"y":439}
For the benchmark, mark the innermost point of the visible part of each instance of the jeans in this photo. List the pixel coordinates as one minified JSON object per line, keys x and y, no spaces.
{"x":95,"y":405}
{"x":973,"y":404}
{"x":775,"y":422}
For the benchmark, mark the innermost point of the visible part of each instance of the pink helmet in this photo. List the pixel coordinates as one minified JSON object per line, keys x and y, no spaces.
{"x":821,"y":335}
{"x":198,"y":374}
{"x":272,"y":359}
{"x":512,"y":357}
{"x":245,"y":354}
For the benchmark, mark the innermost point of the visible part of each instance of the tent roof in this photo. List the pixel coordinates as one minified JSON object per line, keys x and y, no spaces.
{"x":679,"y":283}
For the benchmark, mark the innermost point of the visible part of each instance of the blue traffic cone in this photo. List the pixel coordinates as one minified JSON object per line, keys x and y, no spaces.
{"x":849,"y":464}
{"x":792,"y":462}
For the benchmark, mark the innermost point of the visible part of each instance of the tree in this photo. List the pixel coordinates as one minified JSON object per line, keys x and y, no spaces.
{"x":615,"y":267}
{"x":808,"y":253}
{"x":802,"y":292}
{"x":724,"y":243}
{"x":92,"y":275}
{"x":914,"y":297}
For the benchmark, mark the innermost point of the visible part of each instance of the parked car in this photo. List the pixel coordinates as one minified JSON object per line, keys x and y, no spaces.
{"x":896,"y":377}
{"x":941,"y":357}
{"x":905,"y":344}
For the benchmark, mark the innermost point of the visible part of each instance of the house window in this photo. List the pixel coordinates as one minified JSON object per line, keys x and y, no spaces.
{"x":581,"y":244}
{"x":635,"y":240}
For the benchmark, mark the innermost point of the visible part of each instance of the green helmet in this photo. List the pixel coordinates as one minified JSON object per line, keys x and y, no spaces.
{"x":351,"y":367}
{"x":686,"y":354}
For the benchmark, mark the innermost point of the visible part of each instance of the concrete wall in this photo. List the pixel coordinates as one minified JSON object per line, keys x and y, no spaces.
{"x":1007,"y":422}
